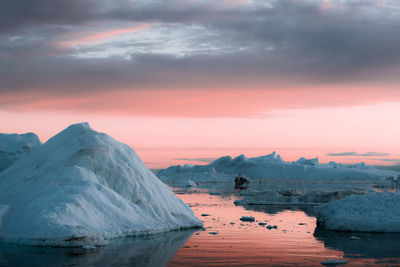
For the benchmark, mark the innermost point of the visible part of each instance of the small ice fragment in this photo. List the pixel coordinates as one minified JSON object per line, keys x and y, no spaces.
{"x":334,"y":262}
{"x":88,"y":247}
{"x":247,"y":218}
{"x":354,"y":237}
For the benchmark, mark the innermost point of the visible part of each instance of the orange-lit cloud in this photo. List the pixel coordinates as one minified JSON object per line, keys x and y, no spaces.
{"x":103,"y":36}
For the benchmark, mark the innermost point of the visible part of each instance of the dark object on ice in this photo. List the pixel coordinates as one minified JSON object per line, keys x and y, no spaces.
{"x":241,"y":182}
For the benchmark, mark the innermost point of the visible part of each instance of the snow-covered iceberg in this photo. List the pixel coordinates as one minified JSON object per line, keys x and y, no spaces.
{"x":275,"y":181}
{"x":375,"y":212}
{"x":270,"y":166}
{"x":15,"y":146}
{"x":82,"y":187}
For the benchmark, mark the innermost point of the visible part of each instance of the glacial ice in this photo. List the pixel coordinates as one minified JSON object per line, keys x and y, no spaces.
{"x":82,"y":187}
{"x":375,"y":212}
{"x":275,"y":181}
{"x":269,"y":166}
{"x":15,"y":146}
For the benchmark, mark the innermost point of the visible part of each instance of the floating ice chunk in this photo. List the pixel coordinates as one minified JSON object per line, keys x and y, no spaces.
{"x":310,"y":162}
{"x":190,"y":183}
{"x":87,"y":247}
{"x":375,"y":212}
{"x":360,"y":165}
{"x":334,"y":164}
{"x":247,"y":219}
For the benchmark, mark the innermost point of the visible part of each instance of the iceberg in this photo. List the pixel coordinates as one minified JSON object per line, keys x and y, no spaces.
{"x":275,"y":181}
{"x":375,"y":212}
{"x":83,"y":187}
{"x":15,"y":146}
{"x":269,"y":166}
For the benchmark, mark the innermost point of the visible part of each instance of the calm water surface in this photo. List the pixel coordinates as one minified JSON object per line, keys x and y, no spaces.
{"x":296,"y":242}
{"x":225,"y":240}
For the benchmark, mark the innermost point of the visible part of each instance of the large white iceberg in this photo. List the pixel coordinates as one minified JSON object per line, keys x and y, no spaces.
{"x":375,"y":212}
{"x":15,"y":146}
{"x":82,"y":187}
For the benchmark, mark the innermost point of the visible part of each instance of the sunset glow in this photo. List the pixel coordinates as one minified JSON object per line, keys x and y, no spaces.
{"x":188,"y":82}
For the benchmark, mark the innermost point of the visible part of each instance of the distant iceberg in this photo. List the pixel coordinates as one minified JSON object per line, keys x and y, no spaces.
{"x":270,"y":166}
{"x":82,"y":187}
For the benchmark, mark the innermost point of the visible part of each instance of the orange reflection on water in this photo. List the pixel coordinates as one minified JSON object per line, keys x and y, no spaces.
{"x":248,"y":243}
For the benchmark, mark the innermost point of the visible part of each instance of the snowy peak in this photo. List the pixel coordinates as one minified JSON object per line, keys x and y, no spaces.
{"x":16,"y":146}
{"x":12,"y":143}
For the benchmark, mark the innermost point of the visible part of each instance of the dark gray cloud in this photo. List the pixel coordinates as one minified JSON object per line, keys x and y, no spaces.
{"x":270,"y":44}
{"x":20,"y":15}
{"x":355,"y":154}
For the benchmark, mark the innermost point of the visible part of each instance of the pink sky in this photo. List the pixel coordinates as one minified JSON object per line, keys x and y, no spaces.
{"x":163,"y":138}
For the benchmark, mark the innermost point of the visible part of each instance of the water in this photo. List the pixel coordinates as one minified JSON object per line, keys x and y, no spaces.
{"x":296,"y":241}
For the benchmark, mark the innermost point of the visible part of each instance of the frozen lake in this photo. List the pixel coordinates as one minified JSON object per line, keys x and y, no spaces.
{"x":225,"y":240}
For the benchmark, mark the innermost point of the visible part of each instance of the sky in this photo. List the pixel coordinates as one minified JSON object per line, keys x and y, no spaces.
{"x":189,"y":81}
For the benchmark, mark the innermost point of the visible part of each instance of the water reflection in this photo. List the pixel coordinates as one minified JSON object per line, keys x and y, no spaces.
{"x":275,"y":209}
{"x":369,"y":245}
{"x":152,"y":250}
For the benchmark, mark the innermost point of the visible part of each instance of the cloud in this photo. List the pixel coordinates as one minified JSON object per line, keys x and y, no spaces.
{"x":103,"y":35}
{"x":192,"y":45}
{"x":355,"y":154}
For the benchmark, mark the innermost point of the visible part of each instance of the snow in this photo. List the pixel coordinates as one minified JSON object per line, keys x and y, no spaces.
{"x":375,"y":212}
{"x":15,"y":146}
{"x":82,"y":187}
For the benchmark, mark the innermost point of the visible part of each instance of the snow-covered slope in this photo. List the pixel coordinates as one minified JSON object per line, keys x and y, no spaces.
{"x":269,"y":166}
{"x":81,"y":187}
{"x":375,"y":212}
{"x":15,"y":146}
